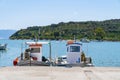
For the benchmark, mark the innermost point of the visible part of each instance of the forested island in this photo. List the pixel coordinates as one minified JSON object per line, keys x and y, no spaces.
{"x":93,"y":30}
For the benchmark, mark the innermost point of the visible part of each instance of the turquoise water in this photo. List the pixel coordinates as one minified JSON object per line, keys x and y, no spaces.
{"x":102,"y":53}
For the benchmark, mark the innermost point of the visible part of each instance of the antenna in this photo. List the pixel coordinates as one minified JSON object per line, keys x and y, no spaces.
{"x":74,"y":38}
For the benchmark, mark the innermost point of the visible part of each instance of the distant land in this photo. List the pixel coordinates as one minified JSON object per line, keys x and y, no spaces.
{"x":93,"y":30}
{"x":5,"y":34}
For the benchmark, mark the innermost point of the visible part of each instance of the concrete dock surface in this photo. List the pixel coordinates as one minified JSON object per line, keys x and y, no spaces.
{"x":59,"y":73}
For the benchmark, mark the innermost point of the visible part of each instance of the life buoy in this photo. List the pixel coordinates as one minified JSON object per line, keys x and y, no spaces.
{"x":15,"y":62}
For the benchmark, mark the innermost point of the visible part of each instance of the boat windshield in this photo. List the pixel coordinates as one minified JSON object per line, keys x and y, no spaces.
{"x":74,"y":48}
{"x":64,"y":57}
{"x":35,"y":50}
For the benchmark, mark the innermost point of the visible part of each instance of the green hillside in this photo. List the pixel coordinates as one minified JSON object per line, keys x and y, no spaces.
{"x":99,"y":30}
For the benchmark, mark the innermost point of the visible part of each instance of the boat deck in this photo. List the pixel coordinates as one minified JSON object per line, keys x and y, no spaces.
{"x":38,"y":63}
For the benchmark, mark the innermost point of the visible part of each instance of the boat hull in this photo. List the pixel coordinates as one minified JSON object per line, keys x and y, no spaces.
{"x":32,"y":63}
{"x":3,"y":47}
{"x":76,"y":65}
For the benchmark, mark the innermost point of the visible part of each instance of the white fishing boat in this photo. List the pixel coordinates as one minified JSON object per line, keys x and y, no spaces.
{"x":3,"y":46}
{"x":33,"y":55}
{"x":74,"y":56}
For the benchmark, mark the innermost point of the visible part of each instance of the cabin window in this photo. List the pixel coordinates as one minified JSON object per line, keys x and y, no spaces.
{"x":64,"y":58}
{"x":35,"y":50}
{"x":67,"y":49}
{"x":74,"y":48}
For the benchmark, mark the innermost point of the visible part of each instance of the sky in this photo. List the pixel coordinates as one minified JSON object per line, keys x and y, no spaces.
{"x":20,"y":14}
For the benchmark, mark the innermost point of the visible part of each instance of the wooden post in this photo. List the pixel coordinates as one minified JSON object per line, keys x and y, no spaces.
{"x":50,"y":53}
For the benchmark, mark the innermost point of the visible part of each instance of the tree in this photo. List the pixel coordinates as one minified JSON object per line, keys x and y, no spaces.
{"x":56,"y":34}
{"x":99,"y":33}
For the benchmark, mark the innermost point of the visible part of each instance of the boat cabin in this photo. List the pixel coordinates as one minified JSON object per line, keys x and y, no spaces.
{"x":36,"y":50}
{"x":73,"y":52}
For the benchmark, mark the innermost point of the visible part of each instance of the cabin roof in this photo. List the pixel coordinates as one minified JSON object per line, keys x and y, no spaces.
{"x":33,"y":43}
{"x":74,"y":43}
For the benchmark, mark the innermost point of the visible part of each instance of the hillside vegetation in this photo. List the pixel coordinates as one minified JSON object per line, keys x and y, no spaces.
{"x":95,"y":30}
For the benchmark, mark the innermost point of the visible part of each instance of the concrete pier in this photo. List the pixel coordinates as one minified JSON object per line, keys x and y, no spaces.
{"x":59,"y":73}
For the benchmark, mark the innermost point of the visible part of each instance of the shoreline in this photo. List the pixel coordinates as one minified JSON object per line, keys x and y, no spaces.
{"x":67,"y":40}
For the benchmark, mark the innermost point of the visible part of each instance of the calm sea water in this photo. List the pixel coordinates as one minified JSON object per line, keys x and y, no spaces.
{"x":102,"y":53}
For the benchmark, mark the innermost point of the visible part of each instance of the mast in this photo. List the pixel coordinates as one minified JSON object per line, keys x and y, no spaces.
{"x":39,"y":34}
{"x":50,"y":53}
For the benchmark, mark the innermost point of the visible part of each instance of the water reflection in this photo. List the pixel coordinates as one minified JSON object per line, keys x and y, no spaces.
{"x":2,"y":52}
